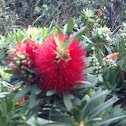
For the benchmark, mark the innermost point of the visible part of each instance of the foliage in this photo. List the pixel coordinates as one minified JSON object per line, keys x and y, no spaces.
{"x":9,"y":112}
{"x":7,"y":18}
{"x":21,"y":13}
{"x":99,"y":100}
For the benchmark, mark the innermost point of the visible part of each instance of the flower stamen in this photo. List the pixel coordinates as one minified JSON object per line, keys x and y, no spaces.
{"x":62,"y":54}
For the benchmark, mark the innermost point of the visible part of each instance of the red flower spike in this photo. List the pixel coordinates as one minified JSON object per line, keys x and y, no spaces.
{"x":60,"y":68}
{"x":26,"y":50}
{"x":31,"y":47}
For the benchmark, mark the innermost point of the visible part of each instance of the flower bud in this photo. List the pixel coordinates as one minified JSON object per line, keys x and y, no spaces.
{"x":93,"y":64}
{"x":15,"y":58}
{"x":25,"y":75}
{"x":18,"y":55}
{"x":93,"y":60}
{"x":93,"y":57}
{"x":97,"y":63}
{"x":30,"y":76}
{"x":18,"y":62}
{"x":22,"y":56}
{"x":99,"y":71}
{"x":99,"y":67}
{"x":96,"y":72}
{"x":24,"y":62}
{"x":22,"y":71}
{"x":23,"y":67}
{"x":96,"y":67}
{"x":27,"y":58}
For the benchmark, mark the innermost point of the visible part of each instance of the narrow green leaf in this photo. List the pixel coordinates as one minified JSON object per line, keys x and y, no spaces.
{"x":57,"y":42}
{"x":57,"y":124}
{"x":32,"y":96}
{"x":65,"y":29}
{"x":102,"y":107}
{"x":79,"y":33}
{"x":59,"y":30}
{"x":49,"y":93}
{"x":3,"y":120}
{"x":77,"y":114}
{"x":31,"y":112}
{"x":21,"y":93}
{"x":70,"y":25}
{"x":24,"y":108}
{"x":86,"y":39}
{"x":30,"y":70}
{"x":1,"y":95}
{"x":38,"y":91}
{"x":10,"y":71}
{"x":100,"y":77}
{"x":10,"y":106}
{"x":108,"y":121}
{"x":97,"y":96}
{"x":91,"y":20}
{"x":67,"y":101}
{"x":4,"y":93}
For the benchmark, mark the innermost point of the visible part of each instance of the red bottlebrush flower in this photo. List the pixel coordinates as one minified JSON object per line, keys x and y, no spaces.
{"x":23,"y":58}
{"x":31,"y":47}
{"x":26,"y":52}
{"x":60,"y":68}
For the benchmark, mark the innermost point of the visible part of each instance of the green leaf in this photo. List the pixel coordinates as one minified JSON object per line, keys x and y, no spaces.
{"x":65,"y":45}
{"x":10,"y":71}
{"x":59,"y":117}
{"x":32,"y":96}
{"x":24,"y":108}
{"x":89,"y":70}
{"x":65,"y":29}
{"x":4,"y":93}
{"x":100,"y":77}
{"x":59,"y":30}
{"x":91,"y":20}
{"x":1,"y":95}
{"x":94,"y":100}
{"x":57,"y":41}
{"x":86,"y":39}
{"x":38,"y":91}
{"x":3,"y":121}
{"x":77,"y":114}
{"x":10,"y":106}
{"x":35,"y":122}
{"x":57,"y":124}
{"x":79,"y":33}
{"x":108,"y":49}
{"x":108,"y":121}
{"x":30,"y":70}
{"x":32,"y":111}
{"x":102,"y":107}
{"x":67,"y":101}
{"x":21,"y":93}
{"x":50,"y":93}
{"x":70,"y":25}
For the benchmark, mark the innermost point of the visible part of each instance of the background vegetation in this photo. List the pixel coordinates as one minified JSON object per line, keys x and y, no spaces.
{"x":100,"y":26}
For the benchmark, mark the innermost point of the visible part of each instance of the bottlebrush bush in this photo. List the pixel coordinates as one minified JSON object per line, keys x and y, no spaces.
{"x":58,"y":76}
